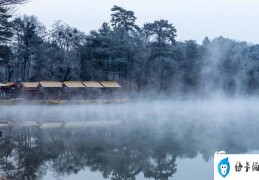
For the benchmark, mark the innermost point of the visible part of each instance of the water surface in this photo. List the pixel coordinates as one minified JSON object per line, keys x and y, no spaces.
{"x":154,"y":139}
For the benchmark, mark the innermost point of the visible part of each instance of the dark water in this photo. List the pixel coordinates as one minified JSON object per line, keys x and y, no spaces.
{"x":155,"y":139}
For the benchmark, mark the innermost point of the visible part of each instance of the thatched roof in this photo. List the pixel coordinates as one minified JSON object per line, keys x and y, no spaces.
{"x":51,"y":84}
{"x":92,"y":84}
{"x":110,"y":84}
{"x":3,"y":85}
{"x":11,"y":84}
{"x":29,"y":84}
{"x":73,"y":84}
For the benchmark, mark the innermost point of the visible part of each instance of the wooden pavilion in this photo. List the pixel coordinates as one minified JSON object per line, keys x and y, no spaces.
{"x":2,"y":89}
{"x":12,"y":89}
{"x":110,"y":88}
{"x":73,"y":90}
{"x":93,"y":89}
{"x":29,"y":90}
{"x":51,"y":89}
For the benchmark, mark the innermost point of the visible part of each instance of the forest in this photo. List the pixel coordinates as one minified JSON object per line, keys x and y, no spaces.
{"x":144,"y":60}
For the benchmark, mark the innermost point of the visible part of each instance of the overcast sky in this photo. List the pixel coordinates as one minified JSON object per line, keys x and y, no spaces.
{"x":193,"y":19}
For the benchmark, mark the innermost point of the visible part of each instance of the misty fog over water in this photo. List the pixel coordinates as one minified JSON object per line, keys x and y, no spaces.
{"x":157,"y":139}
{"x":176,"y":102}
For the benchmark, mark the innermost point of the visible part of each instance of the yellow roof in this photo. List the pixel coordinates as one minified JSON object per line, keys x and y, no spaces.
{"x":11,"y":84}
{"x":3,"y":85}
{"x":29,"y":84}
{"x":53,"y":84}
{"x":110,"y":84}
{"x":93,"y":84}
{"x":75,"y":84}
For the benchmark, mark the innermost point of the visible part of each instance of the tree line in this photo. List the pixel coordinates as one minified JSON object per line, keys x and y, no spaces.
{"x":142,"y":59}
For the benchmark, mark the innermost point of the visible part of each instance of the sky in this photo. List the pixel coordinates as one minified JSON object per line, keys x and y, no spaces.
{"x":193,"y":19}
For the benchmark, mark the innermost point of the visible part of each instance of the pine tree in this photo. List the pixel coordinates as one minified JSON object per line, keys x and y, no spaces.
{"x":5,"y":26}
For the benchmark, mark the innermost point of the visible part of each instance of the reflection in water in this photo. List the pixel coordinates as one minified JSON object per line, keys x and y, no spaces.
{"x":148,"y":140}
{"x":27,"y":153}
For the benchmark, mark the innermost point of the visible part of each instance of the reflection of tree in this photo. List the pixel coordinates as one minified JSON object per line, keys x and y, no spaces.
{"x":160,"y":164}
{"x":6,"y":146}
{"x":22,"y":155}
{"x":125,"y":163}
{"x":68,"y":162}
{"x":29,"y":155}
{"x":117,"y":153}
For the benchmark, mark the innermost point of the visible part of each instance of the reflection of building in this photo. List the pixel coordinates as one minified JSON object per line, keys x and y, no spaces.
{"x":5,"y":128}
{"x":69,"y":147}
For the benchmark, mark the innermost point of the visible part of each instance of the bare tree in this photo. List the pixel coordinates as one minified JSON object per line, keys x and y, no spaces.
{"x":12,"y":2}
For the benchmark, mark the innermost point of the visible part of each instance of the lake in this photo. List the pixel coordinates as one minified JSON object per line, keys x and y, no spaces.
{"x":159,"y":139}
